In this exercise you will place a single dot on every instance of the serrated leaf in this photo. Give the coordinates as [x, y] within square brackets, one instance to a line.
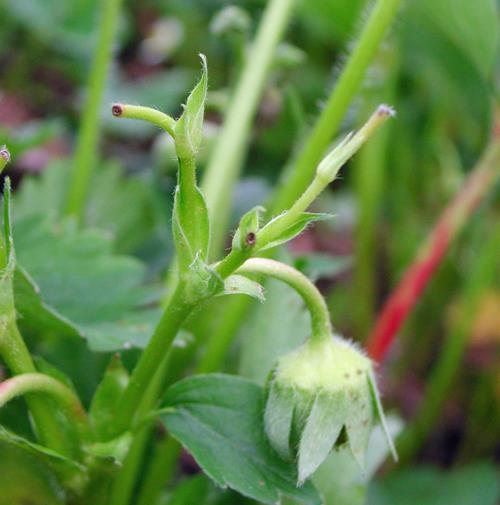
[103, 407]
[247, 229]
[295, 229]
[189, 127]
[81, 287]
[50, 457]
[241, 285]
[218, 418]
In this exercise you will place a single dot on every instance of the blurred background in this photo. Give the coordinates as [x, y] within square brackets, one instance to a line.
[438, 67]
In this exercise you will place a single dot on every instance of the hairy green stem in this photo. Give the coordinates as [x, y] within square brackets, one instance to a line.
[173, 316]
[153, 116]
[87, 143]
[301, 171]
[34, 383]
[442, 376]
[225, 162]
[315, 303]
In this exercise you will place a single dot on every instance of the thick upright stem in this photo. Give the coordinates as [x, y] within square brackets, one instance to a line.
[226, 160]
[300, 173]
[416, 278]
[173, 316]
[320, 316]
[87, 142]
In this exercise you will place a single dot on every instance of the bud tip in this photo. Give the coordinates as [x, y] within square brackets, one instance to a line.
[385, 110]
[5, 154]
[117, 109]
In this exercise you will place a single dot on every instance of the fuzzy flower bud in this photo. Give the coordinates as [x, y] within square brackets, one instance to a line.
[322, 395]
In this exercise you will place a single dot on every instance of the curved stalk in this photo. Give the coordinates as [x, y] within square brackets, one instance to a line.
[153, 116]
[320, 316]
[29, 383]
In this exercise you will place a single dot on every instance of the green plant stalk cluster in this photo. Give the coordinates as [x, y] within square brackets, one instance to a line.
[180, 305]
[300, 170]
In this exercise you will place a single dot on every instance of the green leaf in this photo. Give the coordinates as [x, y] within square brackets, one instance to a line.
[218, 418]
[295, 229]
[189, 127]
[471, 485]
[103, 407]
[48, 456]
[82, 288]
[471, 26]
[25, 480]
[248, 227]
[241, 285]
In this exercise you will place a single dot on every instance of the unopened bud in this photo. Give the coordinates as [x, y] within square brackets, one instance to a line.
[321, 396]
[4, 157]
[333, 162]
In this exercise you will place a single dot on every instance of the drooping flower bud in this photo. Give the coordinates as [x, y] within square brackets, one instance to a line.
[322, 395]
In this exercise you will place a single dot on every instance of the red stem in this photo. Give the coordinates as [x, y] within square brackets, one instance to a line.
[415, 279]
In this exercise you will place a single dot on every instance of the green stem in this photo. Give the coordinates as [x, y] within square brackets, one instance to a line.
[125, 482]
[446, 369]
[226, 160]
[173, 316]
[41, 383]
[351, 78]
[161, 470]
[86, 148]
[320, 316]
[153, 116]
[17, 358]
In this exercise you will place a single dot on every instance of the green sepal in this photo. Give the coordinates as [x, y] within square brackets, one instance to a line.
[241, 285]
[359, 422]
[379, 413]
[191, 228]
[278, 417]
[189, 127]
[244, 237]
[201, 281]
[300, 224]
[322, 429]
[103, 406]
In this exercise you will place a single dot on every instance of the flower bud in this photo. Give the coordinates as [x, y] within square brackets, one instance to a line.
[322, 395]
